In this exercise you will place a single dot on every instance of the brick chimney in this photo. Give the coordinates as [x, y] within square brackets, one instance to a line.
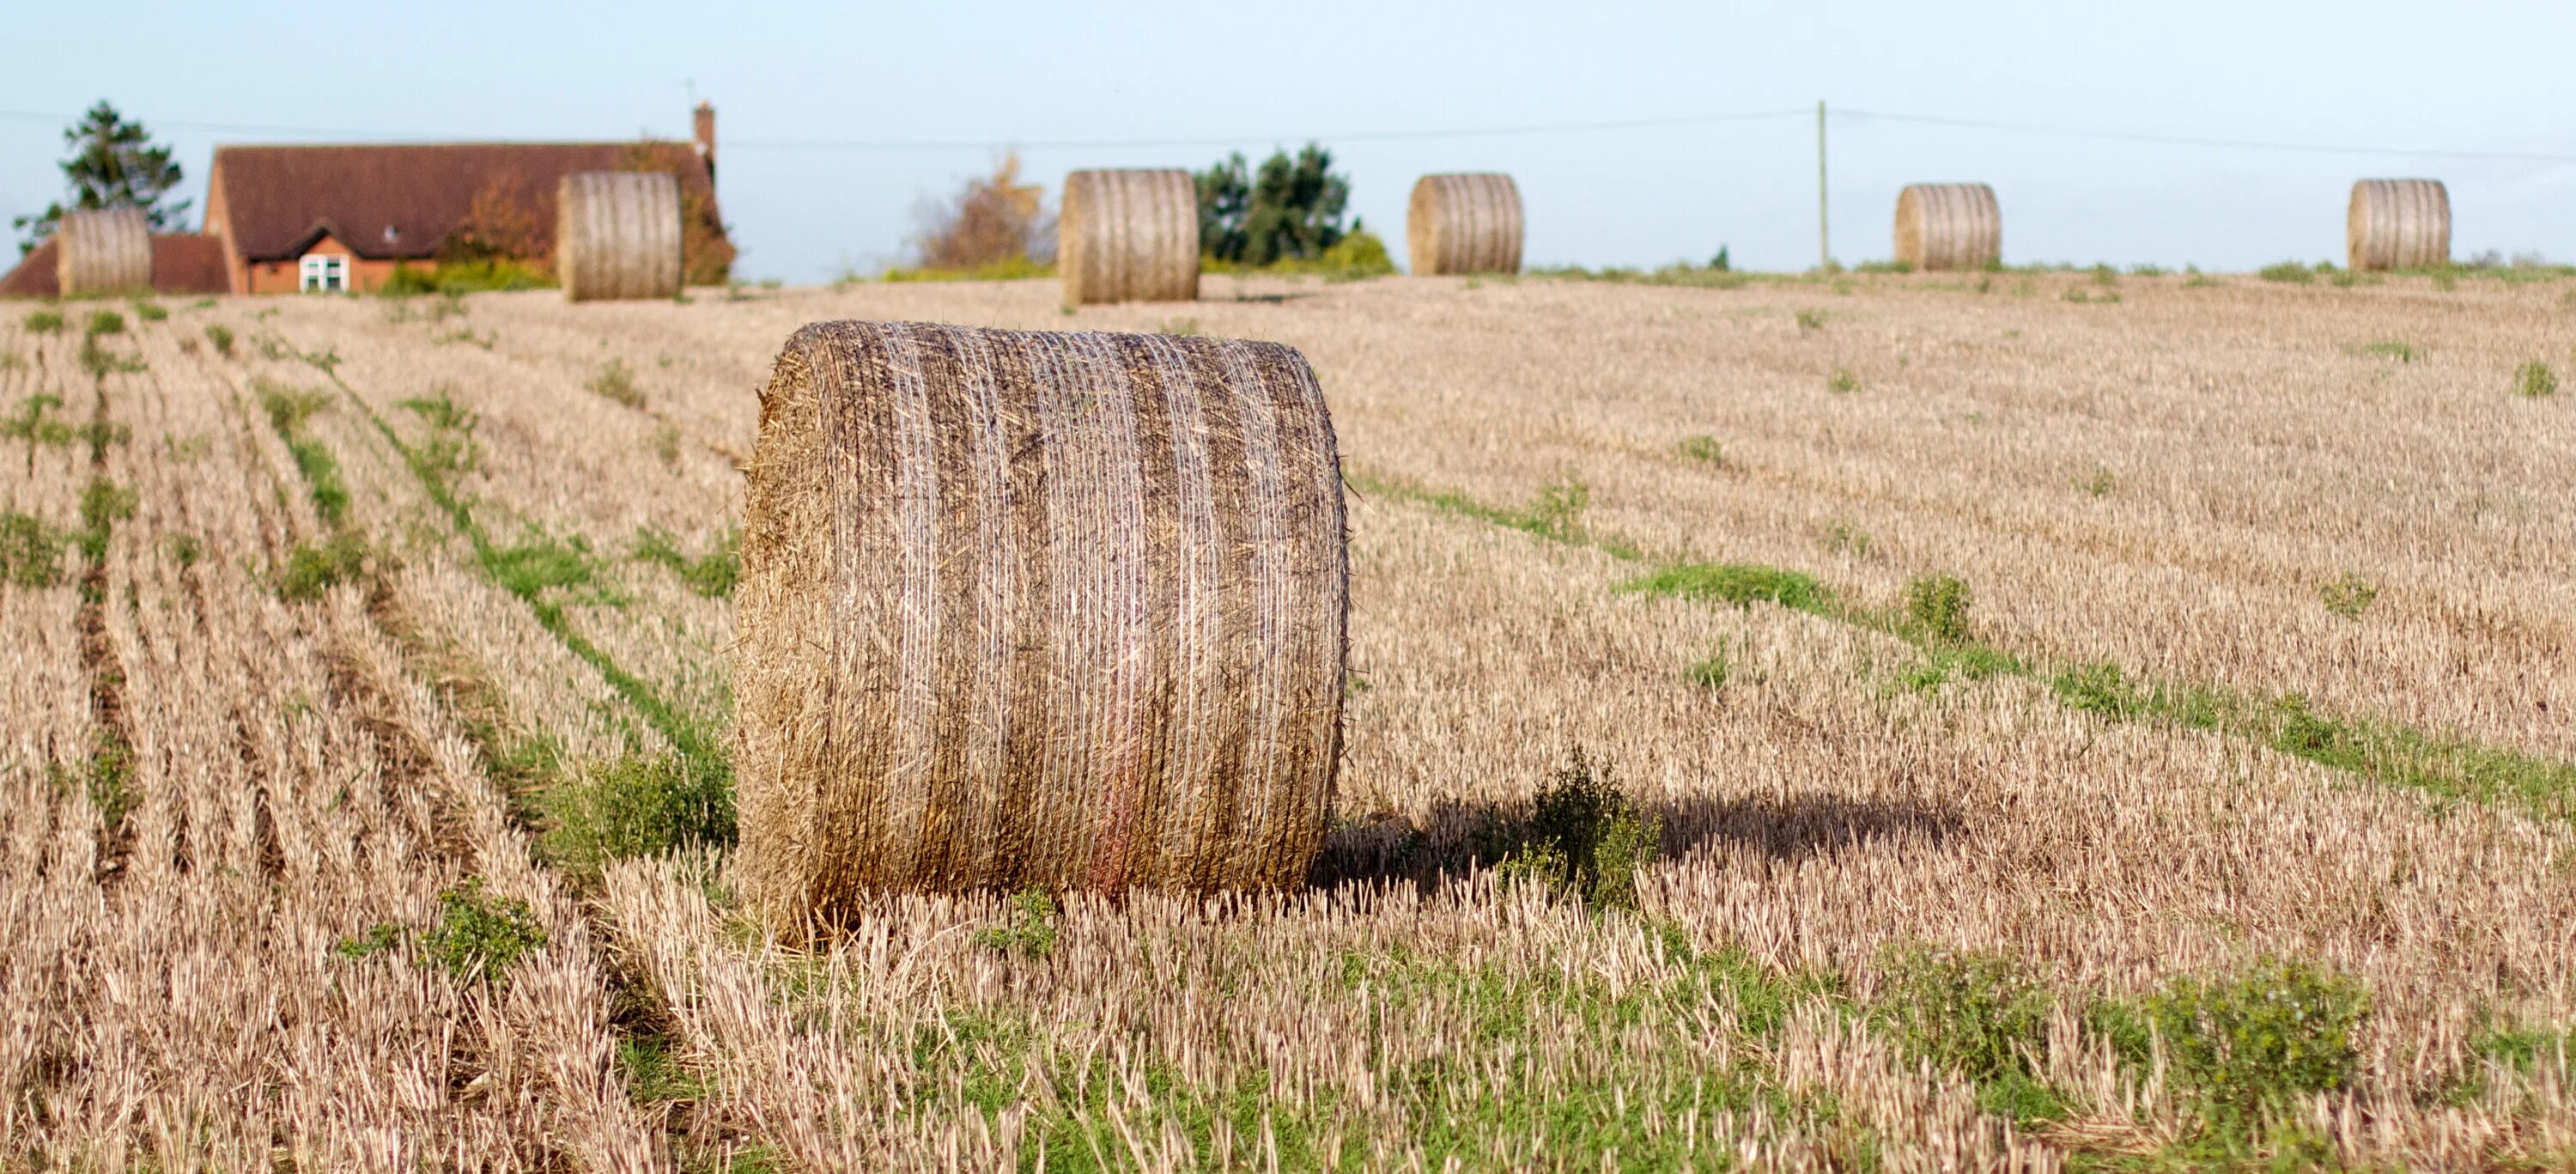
[705, 131]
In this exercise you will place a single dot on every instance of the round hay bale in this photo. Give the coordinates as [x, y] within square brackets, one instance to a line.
[1129, 236]
[2398, 224]
[1465, 223]
[1035, 610]
[1948, 226]
[103, 251]
[617, 235]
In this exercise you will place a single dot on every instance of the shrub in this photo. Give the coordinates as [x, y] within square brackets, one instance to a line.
[2291, 272]
[2248, 1044]
[636, 806]
[1938, 604]
[1584, 837]
[2534, 379]
[1360, 254]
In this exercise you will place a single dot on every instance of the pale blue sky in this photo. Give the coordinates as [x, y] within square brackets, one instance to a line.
[2467, 76]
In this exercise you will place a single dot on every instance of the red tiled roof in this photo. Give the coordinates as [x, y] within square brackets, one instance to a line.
[182, 263]
[402, 200]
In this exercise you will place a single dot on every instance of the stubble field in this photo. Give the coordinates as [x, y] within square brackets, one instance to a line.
[2122, 732]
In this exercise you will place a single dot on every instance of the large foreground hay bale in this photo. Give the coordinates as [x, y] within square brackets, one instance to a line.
[1035, 610]
[1948, 226]
[1465, 223]
[617, 235]
[104, 251]
[2398, 224]
[1129, 236]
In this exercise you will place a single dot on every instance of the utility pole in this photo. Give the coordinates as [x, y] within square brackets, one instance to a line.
[1824, 233]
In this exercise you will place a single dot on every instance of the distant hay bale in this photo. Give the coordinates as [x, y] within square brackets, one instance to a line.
[1464, 223]
[1129, 236]
[1948, 226]
[2398, 224]
[1035, 610]
[617, 235]
[104, 251]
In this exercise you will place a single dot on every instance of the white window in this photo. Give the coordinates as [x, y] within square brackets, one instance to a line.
[325, 272]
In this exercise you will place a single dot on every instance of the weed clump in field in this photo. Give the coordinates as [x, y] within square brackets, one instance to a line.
[1810, 321]
[636, 806]
[2349, 596]
[150, 311]
[477, 937]
[1703, 450]
[1978, 1015]
[43, 321]
[1938, 604]
[1029, 931]
[1842, 381]
[105, 322]
[222, 338]
[313, 570]
[1737, 583]
[1584, 837]
[31, 552]
[2290, 272]
[616, 382]
[1710, 672]
[2534, 379]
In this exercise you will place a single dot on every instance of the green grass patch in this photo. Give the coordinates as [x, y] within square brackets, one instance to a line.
[2534, 379]
[98, 362]
[221, 336]
[1740, 584]
[150, 311]
[33, 423]
[1937, 605]
[712, 574]
[464, 277]
[1978, 1015]
[2391, 349]
[2287, 272]
[43, 322]
[1027, 929]
[104, 322]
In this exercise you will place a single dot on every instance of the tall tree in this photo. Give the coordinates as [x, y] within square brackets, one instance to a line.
[113, 164]
[1289, 207]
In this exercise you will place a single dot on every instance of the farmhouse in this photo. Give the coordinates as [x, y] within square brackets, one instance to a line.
[325, 218]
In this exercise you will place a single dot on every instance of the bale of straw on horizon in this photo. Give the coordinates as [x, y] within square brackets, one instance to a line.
[1035, 610]
[1948, 226]
[1464, 223]
[617, 235]
[1129, 236]
[103, 251]
[2398, 224]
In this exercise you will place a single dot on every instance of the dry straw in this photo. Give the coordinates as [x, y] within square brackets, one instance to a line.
[2398, 224]
[617, 235]
[1467, 223]
[104, 251]
[1129, 236]
[1948, 226]
[1020, 610]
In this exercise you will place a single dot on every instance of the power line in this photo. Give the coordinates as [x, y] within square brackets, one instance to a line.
[2199, 141]
[1380, 136]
